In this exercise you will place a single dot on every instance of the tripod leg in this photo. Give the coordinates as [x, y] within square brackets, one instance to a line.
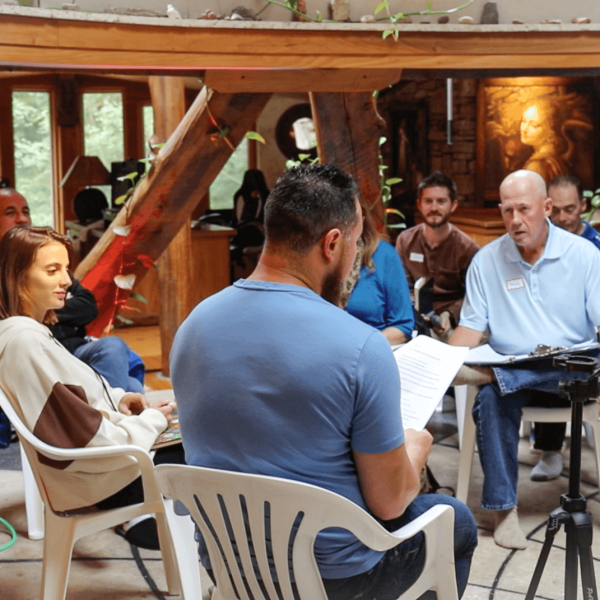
[551, 531]
[571, 562]
[588, 579]
[583, 528]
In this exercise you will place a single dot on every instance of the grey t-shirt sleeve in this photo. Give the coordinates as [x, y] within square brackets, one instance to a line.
[377, 422]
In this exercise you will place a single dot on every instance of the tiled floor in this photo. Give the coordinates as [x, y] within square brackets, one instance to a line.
[105, 567]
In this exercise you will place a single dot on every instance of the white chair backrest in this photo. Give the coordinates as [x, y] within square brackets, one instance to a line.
[232, 506]
[28, 441]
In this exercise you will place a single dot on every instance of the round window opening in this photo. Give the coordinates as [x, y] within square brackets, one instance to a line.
[295, 132]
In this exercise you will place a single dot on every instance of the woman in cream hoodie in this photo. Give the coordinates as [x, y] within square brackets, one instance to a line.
[61, 399]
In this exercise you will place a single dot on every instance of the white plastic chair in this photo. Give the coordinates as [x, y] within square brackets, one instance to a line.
[34, 506]
[63, 529]
[530, 413]
[218, 500]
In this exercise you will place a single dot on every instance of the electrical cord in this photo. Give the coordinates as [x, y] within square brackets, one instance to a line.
[12, 532]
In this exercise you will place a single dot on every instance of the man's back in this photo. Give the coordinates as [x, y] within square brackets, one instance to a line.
[272, 379]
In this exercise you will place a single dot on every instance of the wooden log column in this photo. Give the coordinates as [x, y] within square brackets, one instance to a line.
[182, 172]
[348, 130]
[174, 265]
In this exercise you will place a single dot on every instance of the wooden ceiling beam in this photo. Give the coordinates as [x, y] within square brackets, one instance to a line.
[314, 80]
[161, 63]
[348, 128]
[126, 46]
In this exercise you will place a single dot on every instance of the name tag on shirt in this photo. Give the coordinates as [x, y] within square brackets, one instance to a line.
[515, 284]
[416, 257]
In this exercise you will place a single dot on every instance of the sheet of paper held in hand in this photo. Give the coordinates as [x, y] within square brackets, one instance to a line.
[427, 368]
[485, 355]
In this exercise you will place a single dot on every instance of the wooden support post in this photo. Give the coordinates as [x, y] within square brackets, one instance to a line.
[183, 170]
[68, 141]
[174, 266]
[348, 130]
[7, 149]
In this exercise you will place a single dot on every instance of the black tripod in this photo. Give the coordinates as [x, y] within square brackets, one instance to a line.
[573, 513]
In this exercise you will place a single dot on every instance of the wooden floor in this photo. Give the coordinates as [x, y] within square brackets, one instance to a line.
[145, 341]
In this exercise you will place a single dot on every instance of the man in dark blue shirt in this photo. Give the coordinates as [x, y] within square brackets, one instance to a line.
[568, 204]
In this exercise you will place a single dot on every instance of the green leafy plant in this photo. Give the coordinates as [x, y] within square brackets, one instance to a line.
[396, 18]
[292, 6]
[253, 135]
[131, 177]
[594, 204]
[386, 192]
[306, 159]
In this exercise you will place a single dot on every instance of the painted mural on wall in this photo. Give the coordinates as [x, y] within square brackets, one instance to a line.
[546, 125]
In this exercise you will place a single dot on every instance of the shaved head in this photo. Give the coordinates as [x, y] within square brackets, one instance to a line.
[525, 180]
[13, 210]
[525, 206]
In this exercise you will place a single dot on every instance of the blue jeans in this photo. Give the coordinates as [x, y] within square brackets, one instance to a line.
[497, 414]
[109, 356]
[401, 566]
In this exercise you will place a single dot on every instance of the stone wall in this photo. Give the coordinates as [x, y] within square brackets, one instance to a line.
[456, 160]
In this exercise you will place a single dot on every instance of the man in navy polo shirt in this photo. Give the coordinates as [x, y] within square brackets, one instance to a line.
[568, 203]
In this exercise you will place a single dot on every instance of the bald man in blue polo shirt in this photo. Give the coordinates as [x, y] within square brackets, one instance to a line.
[537, 284]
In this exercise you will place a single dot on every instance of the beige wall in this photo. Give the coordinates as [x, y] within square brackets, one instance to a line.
[529, 11]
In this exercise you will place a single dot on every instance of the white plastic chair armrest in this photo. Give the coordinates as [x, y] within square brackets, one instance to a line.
[421, 522]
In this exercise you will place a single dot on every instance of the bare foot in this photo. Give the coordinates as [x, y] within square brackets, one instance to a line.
[507, 532]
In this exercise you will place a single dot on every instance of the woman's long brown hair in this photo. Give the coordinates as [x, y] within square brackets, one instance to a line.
[18, 250]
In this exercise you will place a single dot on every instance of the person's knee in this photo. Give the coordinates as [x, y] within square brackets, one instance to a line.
[112, 346]
[465, 528]
[485, 397]
[135, 385]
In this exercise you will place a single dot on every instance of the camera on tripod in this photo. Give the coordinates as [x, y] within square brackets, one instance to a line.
[576, 388]
[573, 513]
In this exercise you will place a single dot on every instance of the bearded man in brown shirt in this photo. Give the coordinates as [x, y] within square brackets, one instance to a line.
[436, 249]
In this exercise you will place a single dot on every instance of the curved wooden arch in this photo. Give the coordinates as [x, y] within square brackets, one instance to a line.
[64, 40]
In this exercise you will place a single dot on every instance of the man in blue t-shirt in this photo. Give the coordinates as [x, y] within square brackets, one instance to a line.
[271, 377]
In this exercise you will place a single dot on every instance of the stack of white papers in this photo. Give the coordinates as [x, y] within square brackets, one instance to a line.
[427, 368]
